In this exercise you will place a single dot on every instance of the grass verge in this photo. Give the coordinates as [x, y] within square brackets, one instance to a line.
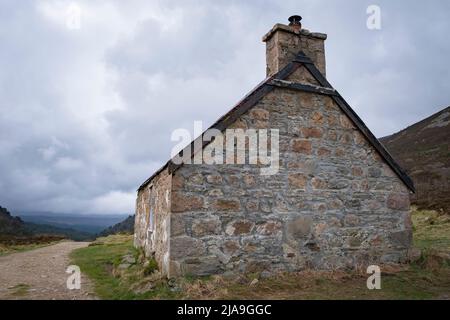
[103, 263]
[408, 283]
[431, 230]
[428, 278]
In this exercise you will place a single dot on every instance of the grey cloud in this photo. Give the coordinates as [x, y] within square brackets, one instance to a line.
[86, 115]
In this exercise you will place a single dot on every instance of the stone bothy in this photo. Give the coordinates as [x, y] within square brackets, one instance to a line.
[338, 200]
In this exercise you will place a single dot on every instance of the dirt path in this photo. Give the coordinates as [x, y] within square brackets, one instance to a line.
[41, 274]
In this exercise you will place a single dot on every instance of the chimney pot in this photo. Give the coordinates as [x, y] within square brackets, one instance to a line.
[294, 22]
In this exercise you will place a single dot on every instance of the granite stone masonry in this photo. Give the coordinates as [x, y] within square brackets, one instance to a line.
[337, 200]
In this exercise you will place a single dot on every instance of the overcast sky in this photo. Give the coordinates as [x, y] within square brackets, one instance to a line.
[87, 105]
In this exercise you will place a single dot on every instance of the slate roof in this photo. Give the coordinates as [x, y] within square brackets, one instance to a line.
[278, 80]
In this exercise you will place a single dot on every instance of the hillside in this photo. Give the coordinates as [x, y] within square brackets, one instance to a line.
[87, 223]
[15, 234]
[423, 151]
[69, 233]
[16, 230]
[125, 226]
[10, 225]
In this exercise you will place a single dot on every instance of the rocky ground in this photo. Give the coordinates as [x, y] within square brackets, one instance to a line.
[41, 274]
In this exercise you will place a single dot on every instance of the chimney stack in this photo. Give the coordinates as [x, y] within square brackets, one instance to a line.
[283, 42]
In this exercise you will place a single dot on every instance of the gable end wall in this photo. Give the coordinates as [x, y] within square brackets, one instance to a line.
[334, 203]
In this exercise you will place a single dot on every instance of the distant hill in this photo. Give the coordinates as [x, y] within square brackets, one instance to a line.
[85, 223]
[69, 233]
[15, 229]
[10, 225]
[423, 151]
[125, 226]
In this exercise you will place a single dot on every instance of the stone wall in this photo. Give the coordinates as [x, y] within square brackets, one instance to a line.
[156, 197]
[333, 204]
